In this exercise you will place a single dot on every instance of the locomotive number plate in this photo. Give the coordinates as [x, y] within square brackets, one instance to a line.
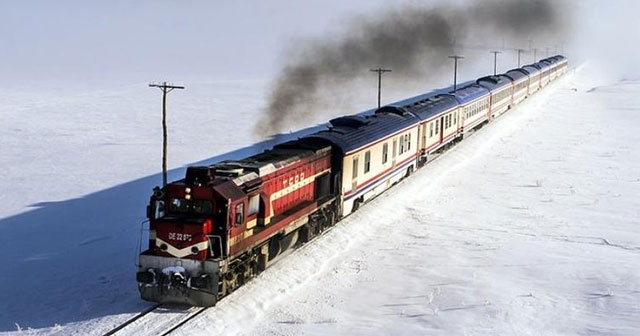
[179, 236]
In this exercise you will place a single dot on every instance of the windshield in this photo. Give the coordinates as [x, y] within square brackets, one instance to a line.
[181, 206]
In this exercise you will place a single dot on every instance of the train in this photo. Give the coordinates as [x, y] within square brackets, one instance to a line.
[223, 224]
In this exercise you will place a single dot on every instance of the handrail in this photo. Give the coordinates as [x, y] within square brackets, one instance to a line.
[139, 248]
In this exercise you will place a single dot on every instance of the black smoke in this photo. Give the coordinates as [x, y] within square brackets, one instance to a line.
[414, 41]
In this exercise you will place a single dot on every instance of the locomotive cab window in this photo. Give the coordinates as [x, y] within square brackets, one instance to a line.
[239, 213]
[181, 206]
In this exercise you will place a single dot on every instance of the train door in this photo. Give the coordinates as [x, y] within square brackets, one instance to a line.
[237, 218]
[219, 241]
[394, 151]
[419, 139]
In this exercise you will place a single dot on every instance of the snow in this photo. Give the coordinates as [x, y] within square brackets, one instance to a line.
[529, 227]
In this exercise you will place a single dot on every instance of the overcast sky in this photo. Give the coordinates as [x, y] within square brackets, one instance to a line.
[44, 39]
[146, 40]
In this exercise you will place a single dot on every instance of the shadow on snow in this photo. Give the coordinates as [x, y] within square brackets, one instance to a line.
[74, 260]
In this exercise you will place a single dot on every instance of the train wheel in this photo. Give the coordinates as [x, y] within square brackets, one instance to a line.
[274, 248]
[288, 241]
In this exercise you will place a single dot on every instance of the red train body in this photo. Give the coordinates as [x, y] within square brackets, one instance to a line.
[235, 216]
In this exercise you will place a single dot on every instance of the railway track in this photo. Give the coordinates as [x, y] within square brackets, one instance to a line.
[157, 320]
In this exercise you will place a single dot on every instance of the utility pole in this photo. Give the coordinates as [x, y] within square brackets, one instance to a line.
[535, 51]
[166, 88]
[495, 61]
[455, 69]
[380, 71]
[530, 42]
[519, 52]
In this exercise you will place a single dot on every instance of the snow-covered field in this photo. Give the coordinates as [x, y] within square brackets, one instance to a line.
[530, 227]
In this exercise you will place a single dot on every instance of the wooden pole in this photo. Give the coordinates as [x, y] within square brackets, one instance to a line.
[165, 88]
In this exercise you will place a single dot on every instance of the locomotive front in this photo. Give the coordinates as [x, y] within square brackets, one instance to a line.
[223, 224]
[186, 243]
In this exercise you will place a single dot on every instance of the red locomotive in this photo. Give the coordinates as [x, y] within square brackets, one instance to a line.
[223, 223]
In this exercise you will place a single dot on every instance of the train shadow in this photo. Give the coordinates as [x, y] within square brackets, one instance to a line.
[74, 260]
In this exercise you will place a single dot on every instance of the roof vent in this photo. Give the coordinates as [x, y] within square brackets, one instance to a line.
[399, 110]
[349, 121]
[229, 171]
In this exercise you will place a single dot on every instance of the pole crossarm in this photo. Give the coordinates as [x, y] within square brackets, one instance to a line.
[166, 87]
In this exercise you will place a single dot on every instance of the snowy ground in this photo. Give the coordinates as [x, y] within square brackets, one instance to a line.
[527, 228]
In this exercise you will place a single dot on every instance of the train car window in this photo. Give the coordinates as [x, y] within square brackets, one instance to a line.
[385, 152]
[430, 129]
[409, 142]
[354, 174]
[402, 141]
[367, 162]
[437, 126]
